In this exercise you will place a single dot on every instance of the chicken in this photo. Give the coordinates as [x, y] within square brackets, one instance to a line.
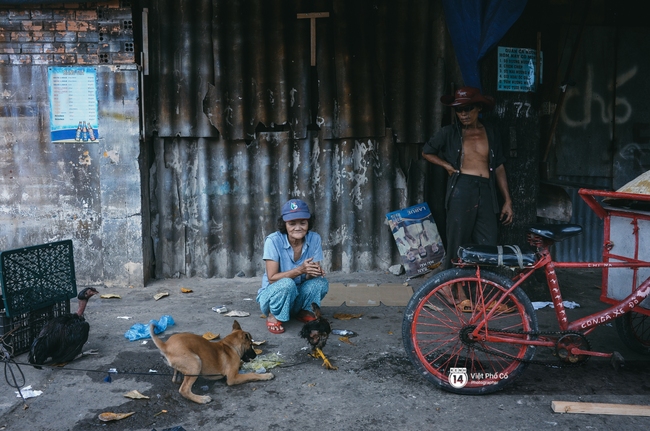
[63, 337]
[316, 333]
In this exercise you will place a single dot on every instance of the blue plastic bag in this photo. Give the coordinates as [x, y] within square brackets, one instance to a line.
[140, 330]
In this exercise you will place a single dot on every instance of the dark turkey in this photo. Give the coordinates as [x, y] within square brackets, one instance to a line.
[63, 337]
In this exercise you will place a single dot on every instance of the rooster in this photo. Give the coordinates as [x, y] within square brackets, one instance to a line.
[316, 332]
[63, 337]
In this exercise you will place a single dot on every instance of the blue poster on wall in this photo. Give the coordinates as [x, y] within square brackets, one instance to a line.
[417, 238]
[74, 114]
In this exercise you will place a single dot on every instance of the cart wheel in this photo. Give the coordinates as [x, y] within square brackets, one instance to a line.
[634, 330]
[436, 334]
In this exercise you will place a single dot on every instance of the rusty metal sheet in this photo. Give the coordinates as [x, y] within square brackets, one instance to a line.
[214, 201]
[246, 65]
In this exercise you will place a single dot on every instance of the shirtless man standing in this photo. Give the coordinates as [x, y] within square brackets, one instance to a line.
[470, 152]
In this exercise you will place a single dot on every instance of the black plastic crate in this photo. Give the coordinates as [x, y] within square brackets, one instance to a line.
[28, 325]
[35, 277]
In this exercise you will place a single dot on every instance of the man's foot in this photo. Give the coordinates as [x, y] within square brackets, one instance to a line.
[447, 295]
[274, 325]
[465, 306]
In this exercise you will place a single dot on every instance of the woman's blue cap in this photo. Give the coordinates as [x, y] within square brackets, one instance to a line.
[295, 209]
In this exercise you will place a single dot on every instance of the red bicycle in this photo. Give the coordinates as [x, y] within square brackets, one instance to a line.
[486, 347]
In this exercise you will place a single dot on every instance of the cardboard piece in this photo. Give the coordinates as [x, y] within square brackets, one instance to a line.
[417, 239]
[367, 295]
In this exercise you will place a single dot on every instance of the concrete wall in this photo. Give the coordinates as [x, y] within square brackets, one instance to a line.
[87, 192]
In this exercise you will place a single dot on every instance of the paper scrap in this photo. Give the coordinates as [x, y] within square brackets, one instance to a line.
[109, 296]
[210, 336]
[109, 416]
[157, 296]
[136, 395]
[186, 290]
[432, 307]
[28, 392]
[236, 313]
[124, 317]
[541, 304]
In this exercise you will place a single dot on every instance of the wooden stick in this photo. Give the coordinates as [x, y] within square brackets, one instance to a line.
[312, 30]
[600, 408]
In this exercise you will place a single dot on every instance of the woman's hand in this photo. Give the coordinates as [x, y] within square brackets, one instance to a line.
[311, 268]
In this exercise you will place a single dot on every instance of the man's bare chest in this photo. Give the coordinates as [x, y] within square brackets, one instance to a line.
[475, 143]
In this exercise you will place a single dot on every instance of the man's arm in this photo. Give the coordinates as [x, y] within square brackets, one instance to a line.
[502, 183]
[440, 162]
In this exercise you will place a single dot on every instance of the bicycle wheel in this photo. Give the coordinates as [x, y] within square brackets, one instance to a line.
[634, 330]
[435, 333]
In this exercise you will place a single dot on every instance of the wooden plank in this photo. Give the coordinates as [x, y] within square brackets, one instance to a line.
[600, 408]
[313, 15]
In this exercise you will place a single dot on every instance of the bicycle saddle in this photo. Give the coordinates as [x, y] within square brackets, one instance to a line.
[555, 232]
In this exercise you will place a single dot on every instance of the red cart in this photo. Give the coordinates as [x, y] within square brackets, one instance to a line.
[626, 239]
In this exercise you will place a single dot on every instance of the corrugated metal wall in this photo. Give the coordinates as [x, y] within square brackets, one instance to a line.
[215, 201]
[587, 247]
[235, 103]
[601, 140]
[246, 62]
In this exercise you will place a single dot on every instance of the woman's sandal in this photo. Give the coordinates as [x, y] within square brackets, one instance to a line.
[275, 327]
[465, 306]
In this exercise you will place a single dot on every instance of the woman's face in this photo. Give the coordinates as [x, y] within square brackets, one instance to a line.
[297, 229]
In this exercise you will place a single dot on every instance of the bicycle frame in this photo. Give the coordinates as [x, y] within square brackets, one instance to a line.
[584, 325]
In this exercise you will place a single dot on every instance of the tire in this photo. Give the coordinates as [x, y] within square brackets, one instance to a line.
[432, 331]
[634, 330]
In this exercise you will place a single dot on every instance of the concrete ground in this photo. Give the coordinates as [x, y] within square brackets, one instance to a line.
[374, 388]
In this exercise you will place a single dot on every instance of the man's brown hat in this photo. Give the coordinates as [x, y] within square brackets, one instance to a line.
[468, 96]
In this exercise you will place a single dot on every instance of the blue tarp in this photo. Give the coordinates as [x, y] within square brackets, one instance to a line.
[476, 26]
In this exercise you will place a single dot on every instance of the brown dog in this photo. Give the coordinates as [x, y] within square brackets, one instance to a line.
[193, 355]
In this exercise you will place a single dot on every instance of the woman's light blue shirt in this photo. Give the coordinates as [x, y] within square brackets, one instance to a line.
[278, 249]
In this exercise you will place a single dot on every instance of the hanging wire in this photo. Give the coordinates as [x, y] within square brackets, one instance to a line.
[6, 352]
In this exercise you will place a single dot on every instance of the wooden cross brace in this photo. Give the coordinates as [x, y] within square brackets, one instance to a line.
[312, 17]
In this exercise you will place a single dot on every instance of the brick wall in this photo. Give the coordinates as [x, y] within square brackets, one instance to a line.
[67, 33]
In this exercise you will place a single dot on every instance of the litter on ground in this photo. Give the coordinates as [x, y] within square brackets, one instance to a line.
[541, 304]
[268, 361]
